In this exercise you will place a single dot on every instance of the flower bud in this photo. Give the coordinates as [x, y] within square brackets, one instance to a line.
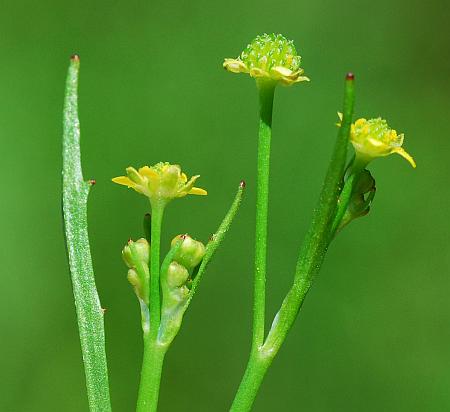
[137, 256]
[190, 253]
[361, 199]
[135, 252]
[177, 275]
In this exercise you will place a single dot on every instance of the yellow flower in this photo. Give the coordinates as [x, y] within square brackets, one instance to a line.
[374, 138]
[269, 57]
[160, 183]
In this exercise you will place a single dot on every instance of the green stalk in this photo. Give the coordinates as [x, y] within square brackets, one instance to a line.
[154, 353]
[310, 259]
[74, 200]
[155, 293]
[266, 94]
[151, 371]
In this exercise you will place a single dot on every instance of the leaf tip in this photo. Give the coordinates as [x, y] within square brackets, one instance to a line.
[350, 76]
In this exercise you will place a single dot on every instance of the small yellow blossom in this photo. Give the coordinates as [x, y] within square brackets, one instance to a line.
[160, 183]
[269, 57]
[374, 138]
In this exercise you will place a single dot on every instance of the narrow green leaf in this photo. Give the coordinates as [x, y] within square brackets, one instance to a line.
[317, 239]
[316, 242]
[74, 200]
[216, 239]
[171, 317]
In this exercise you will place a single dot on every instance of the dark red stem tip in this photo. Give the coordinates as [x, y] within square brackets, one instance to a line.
[92, 182]
[75, 57]
[242, 184]
[350, 76]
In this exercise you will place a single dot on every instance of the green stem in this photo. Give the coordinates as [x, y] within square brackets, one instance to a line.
[150, 375]
[251, 381]
[310, 259]
[257, 367]
[155, 292]
[153, 358]
[266, 95]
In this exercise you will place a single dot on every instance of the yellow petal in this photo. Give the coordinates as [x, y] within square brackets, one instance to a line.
[187, 187]
[280, 71]
[256, 72]
[198, 191]
[148, 172]
[184, 177]
[125, 181]
[235, 66]
[403, 153]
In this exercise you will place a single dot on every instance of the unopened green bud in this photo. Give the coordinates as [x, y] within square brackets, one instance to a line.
[362, 196]
[136, 252]
[190, 253]
[137, 256]
[177, 275]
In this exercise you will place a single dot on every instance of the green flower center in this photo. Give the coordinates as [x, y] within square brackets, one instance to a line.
[271, 50]
[376, 129]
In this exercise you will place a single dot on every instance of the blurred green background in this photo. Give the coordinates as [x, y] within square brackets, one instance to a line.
[374, 333]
